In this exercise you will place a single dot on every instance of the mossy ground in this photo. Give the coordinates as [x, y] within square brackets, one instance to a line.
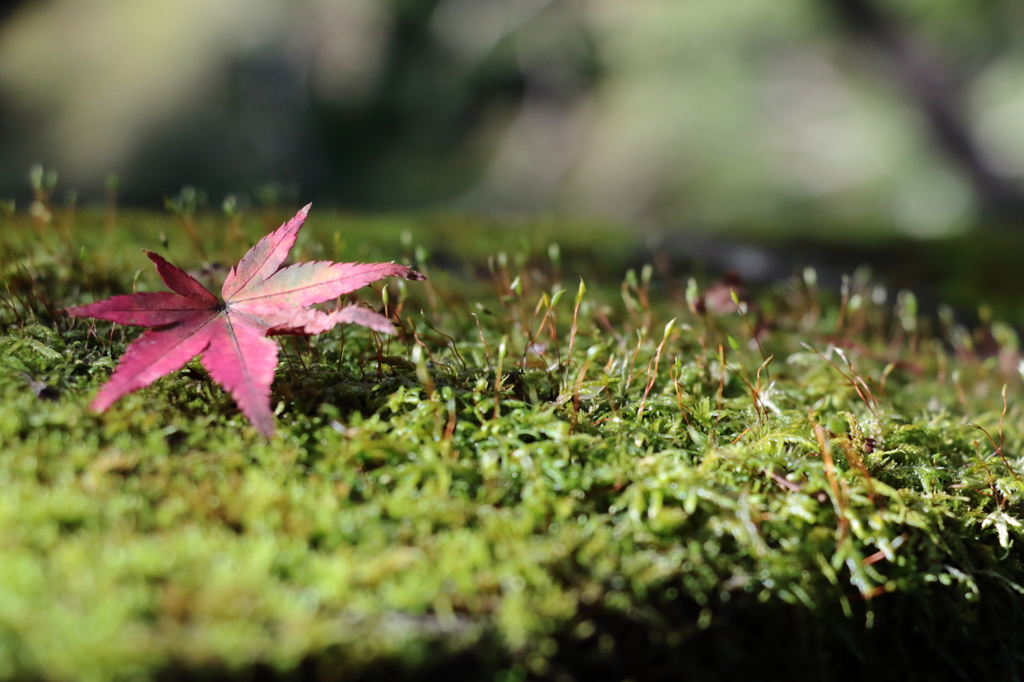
[521, 484]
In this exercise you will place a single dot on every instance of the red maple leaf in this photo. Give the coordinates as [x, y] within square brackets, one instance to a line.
[259, 300]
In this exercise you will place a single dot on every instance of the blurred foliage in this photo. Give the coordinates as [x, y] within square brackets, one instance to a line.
[848, 114]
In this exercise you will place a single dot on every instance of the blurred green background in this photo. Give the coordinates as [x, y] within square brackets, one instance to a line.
[853, 117]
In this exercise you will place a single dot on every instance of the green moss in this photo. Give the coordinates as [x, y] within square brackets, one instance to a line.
[613, 501]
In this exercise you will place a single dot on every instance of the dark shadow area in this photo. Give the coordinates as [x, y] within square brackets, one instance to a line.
[928, 635]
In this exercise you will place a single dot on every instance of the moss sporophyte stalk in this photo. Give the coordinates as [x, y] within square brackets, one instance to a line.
[515, 483]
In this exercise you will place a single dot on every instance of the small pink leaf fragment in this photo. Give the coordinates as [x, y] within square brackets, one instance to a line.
[265, 258]
[156, 353]
[355, 314]
[304, 284]
[231, 335]
[179, 281]
[312, 321]
[143, 310]
[242, 360]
